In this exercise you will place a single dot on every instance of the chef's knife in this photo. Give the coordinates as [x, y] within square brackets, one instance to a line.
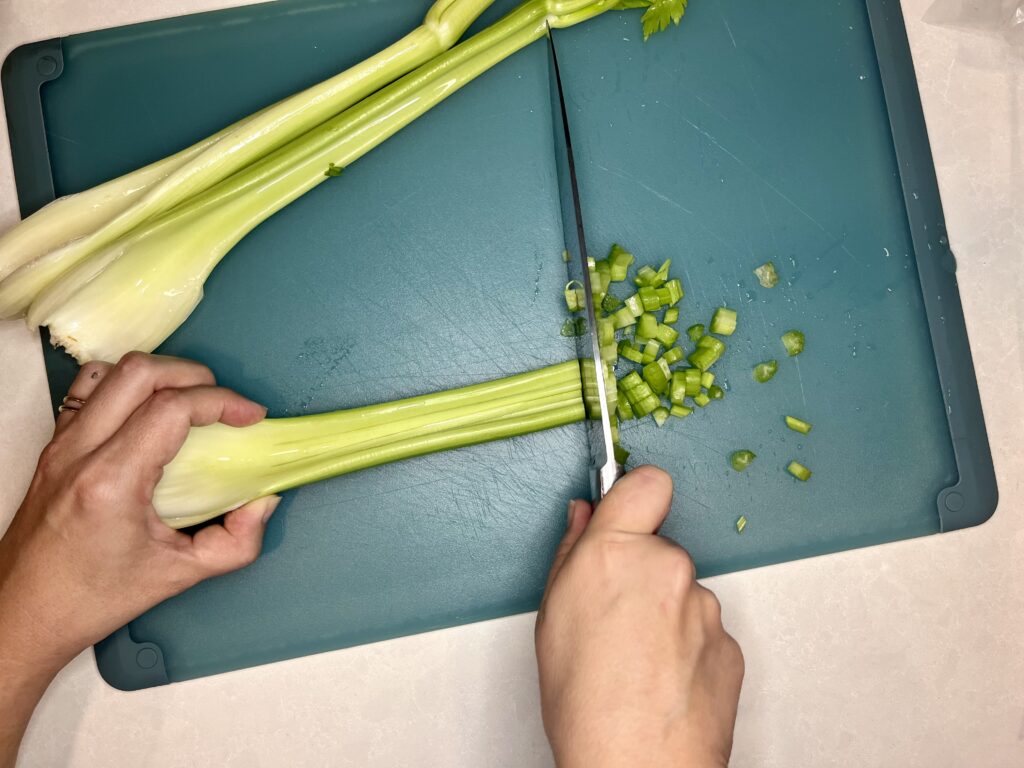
[605, 469]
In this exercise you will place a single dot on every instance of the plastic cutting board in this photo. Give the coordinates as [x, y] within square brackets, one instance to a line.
[790, 132]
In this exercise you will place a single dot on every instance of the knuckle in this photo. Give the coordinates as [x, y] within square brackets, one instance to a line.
[51, 459]
[712, 607]
[96, 486]
[165, 401]
[681, 568]
[133, 364]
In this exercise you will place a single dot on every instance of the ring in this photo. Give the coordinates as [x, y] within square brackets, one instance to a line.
[70, 403]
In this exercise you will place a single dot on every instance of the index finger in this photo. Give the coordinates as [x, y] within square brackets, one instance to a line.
[638, 503]
[134, 379]
[154, 434]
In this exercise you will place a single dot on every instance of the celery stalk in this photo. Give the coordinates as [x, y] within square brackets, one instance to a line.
[63, 233]
[220, 468]
[157, 271]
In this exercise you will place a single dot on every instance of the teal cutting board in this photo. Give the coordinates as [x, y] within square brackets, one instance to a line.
[752, 132]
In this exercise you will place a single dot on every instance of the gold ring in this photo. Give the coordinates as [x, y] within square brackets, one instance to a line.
[70, 403]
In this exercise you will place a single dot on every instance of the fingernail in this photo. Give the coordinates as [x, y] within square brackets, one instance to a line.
[272, 503]
[572, 512]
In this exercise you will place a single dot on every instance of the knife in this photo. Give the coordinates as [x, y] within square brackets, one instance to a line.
[605, 470]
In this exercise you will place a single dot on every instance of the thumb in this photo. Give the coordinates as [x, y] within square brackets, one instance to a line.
[638, 503]
[579, 515]
[236, 542]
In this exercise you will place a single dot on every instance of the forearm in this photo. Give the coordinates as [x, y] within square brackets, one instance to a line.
[28, 661]
[20, 691]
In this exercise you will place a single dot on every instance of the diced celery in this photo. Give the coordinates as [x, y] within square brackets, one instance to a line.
[793, 341]
[671, 315]
[695, 332]
[673, 356]
[798, 425]
[630, 352]
[766, 275]
[575, 296]
[666, 334]
[740, 460]
[651, 351]
[765, 371]
[691, 377]
[799, 471]
[622, 318]
[680, 410]
[702, 399]
[660, 415]
[723, 322]
[707, 379]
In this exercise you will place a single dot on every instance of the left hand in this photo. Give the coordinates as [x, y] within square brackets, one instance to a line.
[86, 552]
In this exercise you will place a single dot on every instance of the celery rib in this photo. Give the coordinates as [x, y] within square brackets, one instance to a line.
[59, 241]
[220, 467]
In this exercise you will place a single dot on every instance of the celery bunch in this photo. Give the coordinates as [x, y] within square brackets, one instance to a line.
[121, 266]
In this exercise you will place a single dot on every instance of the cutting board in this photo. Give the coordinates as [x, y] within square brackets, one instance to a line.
[791, 132]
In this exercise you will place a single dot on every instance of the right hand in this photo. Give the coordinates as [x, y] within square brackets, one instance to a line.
[635, 666]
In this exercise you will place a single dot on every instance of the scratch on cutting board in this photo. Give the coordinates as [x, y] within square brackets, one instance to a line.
[782, 195]
[800, 381]
[728, 29]
[666, 199]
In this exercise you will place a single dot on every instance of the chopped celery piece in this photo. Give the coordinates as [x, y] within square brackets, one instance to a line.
[605, 331]
[666, 334]
[610, 352]
[671, 315]
[575, 296]
[651, 351]
[647, 325]
[765, 371]
[798, 425]
[630, 352]
[677, 388]
[709, 350]
[662, 275]
[657, 375]
[646, 276]
[715, 392]
[695, 332]
[610, 303]
[740, 460]
[660, 415]
[723, 322]
[603, 267]
[574, 327]
[793, 341]
[707, 379]
[766, 275]
[799, 471]
[620, 260]
[630, 380]
[680, 410]
[649, 298]
[664, 296]
[673, 356]
[622, 317]
[691, 377]
[621, 454]
[741, 524]
[702, 399]
[675, 291]
[647, 405]
[635, 305]
[623, 409]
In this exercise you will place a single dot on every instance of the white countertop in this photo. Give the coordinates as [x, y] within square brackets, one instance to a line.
[910, 654]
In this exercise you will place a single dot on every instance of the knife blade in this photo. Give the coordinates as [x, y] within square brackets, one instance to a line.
[605, 470]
